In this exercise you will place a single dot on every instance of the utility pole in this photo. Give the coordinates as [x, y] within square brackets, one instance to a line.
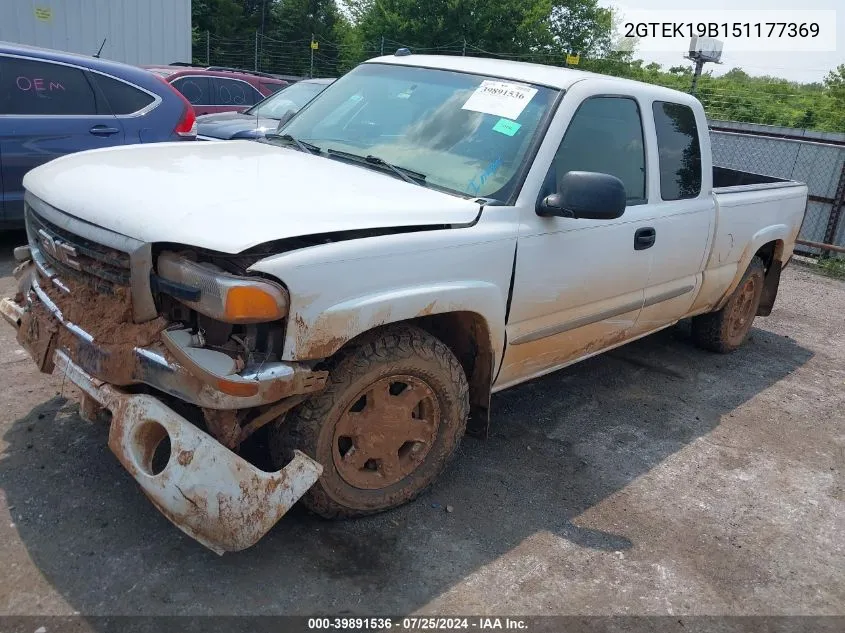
[699, 64]
[256, 52]
[208, 48]
[382, 44]
[701, 51]
[263, 12]
[311, 72]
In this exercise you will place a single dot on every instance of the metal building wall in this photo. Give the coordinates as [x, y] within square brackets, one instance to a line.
[136, 31]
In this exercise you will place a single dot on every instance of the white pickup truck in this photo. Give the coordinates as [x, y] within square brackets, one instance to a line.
[351, 291]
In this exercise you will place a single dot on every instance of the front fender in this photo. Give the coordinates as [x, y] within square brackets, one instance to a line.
[319, 334]
[341, 289]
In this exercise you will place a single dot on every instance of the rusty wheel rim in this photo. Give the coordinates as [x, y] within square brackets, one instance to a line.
[386, 432]
[742, 313]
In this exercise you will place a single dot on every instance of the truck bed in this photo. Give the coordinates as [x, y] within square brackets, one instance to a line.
[733, 180]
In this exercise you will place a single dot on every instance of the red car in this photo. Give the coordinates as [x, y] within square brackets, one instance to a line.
[217, 89]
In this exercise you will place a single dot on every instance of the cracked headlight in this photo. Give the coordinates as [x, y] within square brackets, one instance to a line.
[221, 295]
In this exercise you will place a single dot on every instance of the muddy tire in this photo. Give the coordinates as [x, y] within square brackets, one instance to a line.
[389, 420]
[726, 330]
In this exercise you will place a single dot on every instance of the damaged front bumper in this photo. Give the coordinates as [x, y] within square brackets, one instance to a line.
[183, 379]
[205, 489]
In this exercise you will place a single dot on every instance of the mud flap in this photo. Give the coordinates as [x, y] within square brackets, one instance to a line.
[203, 488]
[478, 425]
[770, 289]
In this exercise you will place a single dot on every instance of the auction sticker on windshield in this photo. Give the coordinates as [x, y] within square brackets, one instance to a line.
[500, 98]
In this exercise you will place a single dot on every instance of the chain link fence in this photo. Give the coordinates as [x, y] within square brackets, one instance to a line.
[817, 159]
[300, 58]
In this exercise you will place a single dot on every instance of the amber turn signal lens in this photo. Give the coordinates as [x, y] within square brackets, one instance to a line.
[249, 303]
[242, 389]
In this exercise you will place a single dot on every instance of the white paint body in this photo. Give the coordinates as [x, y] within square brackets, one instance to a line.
[230, 196]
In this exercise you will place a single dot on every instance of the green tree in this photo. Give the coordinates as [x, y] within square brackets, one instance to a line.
[497, 26]
[223, 18]
[834, 84]
[582, 26]
[294, 22]
[736, 74]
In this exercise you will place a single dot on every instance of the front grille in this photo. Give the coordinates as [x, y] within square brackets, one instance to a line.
[101, 267]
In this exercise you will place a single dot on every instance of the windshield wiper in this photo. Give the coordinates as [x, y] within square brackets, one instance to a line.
[408, 175]
[308, 148]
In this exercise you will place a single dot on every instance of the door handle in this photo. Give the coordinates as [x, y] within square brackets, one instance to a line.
[102, 130]
[644, 238]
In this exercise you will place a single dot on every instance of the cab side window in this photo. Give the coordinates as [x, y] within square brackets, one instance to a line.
[606, 136]
[678, 149]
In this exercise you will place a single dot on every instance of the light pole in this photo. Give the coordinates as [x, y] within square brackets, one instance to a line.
[701, 51]
[263, 12]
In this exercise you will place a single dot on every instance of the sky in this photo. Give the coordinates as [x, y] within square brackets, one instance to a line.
[797, 66]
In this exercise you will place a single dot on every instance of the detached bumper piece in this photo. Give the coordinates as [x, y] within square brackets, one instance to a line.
[207, 491]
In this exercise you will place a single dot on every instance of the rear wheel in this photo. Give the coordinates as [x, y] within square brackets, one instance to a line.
[726, 330]
[391, 416]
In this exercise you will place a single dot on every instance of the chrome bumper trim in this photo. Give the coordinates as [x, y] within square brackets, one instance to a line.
[151, 367]
[204, 489]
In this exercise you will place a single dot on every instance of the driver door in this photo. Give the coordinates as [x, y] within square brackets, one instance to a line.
[579, 284]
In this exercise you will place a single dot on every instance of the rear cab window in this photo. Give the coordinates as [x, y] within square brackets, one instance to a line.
[35, 87]
[679, 150]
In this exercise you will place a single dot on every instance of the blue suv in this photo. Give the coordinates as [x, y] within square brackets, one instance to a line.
[54, 103]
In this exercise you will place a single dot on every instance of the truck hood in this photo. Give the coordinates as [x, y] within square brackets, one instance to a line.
[229, 196]
[230, 125]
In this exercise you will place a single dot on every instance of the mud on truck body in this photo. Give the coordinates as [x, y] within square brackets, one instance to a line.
[426, 232]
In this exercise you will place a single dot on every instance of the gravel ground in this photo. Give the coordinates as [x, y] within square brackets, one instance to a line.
[656, 479]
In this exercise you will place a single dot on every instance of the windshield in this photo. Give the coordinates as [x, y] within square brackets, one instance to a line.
[292, 97]
[468, 134]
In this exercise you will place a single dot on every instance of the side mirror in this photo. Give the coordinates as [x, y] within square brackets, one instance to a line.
[588, 195]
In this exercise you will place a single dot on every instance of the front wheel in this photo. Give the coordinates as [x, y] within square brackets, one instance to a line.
[392, 415]
[726, 330]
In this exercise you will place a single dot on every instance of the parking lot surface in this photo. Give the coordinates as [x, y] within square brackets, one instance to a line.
[655, 479]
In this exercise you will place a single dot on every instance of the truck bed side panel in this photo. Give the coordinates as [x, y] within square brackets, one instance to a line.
[747, 218]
